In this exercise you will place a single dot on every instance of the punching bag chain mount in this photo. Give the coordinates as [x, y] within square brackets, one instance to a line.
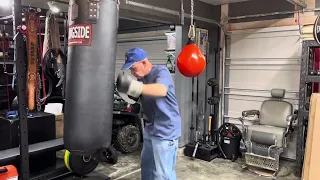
[192, 31]
[118, 5]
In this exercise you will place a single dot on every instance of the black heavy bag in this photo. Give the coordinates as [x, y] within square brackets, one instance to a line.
[90, 77]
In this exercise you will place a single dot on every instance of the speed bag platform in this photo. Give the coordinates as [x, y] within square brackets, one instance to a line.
[204, 152]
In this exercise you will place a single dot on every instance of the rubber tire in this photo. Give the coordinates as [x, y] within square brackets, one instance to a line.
[122, 137]
[110, 155]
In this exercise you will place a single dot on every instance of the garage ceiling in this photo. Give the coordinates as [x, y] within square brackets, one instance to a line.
[43, 4]
[63, 4]
[219, 2]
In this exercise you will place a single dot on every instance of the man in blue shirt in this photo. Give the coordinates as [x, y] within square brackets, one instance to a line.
[155, 88]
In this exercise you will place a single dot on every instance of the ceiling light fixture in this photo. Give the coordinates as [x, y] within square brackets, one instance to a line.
[53, 7]
[6, 3]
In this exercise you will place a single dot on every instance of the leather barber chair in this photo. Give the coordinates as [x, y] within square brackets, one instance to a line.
[266, 139]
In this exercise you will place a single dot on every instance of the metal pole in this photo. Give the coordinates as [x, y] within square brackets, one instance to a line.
[65, 37]
[223, 57]
[181, 13]
[19, 51]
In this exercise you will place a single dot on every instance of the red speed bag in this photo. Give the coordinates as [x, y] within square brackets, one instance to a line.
[9, 172]
[191, 62]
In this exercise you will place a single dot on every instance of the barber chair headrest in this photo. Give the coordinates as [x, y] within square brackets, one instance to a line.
[278, 93]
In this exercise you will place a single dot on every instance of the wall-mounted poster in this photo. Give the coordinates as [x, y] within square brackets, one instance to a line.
[202, 40]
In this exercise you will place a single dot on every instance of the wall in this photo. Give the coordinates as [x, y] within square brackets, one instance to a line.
[259, 60]
[255, 53]
[5, 11]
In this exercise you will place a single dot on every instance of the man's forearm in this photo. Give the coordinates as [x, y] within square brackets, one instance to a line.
[154, 89]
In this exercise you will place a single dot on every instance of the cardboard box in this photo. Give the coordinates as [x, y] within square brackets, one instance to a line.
[311, 164]
[59, 125]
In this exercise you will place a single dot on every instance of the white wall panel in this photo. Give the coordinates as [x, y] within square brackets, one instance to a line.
[259, 60]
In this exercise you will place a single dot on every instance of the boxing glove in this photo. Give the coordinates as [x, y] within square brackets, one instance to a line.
[126, 84]
[134, 98]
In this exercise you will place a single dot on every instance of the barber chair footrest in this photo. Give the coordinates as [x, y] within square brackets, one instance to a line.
[261, 161]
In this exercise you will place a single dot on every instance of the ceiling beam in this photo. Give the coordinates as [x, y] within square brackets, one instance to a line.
[298, 2]
[221, 2]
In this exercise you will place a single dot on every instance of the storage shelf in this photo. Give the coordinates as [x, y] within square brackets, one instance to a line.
[304, 113]
[312, 78]
[302, 128]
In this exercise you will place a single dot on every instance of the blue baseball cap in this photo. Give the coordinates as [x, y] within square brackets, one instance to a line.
[132, 56]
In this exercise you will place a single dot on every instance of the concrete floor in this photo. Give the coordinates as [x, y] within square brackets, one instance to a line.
[128, 168]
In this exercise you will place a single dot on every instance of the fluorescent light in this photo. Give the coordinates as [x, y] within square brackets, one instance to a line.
[53, 8]
[5, 3]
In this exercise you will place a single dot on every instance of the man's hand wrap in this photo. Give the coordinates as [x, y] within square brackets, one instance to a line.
[126, 84]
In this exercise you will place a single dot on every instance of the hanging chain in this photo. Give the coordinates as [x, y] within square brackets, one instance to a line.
[118, 5]
[192, 31]
[192, 11]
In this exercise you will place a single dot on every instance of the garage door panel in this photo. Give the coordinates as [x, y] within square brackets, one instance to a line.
[260, 94]
[154, 49]
[273, 62]
[239, 104]
[272, 34]
[149, 41]
[267, 30]
[265, 80]
[266, 68]
[258, 61]
[279, 47]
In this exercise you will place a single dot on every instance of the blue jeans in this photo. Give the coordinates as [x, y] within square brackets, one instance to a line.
[158, 159]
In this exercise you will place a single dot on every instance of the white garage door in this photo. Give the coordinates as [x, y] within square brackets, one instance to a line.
[257, 61]
[154, 43]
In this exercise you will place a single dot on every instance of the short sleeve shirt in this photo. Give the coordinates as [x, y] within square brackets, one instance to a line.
[163, 117]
